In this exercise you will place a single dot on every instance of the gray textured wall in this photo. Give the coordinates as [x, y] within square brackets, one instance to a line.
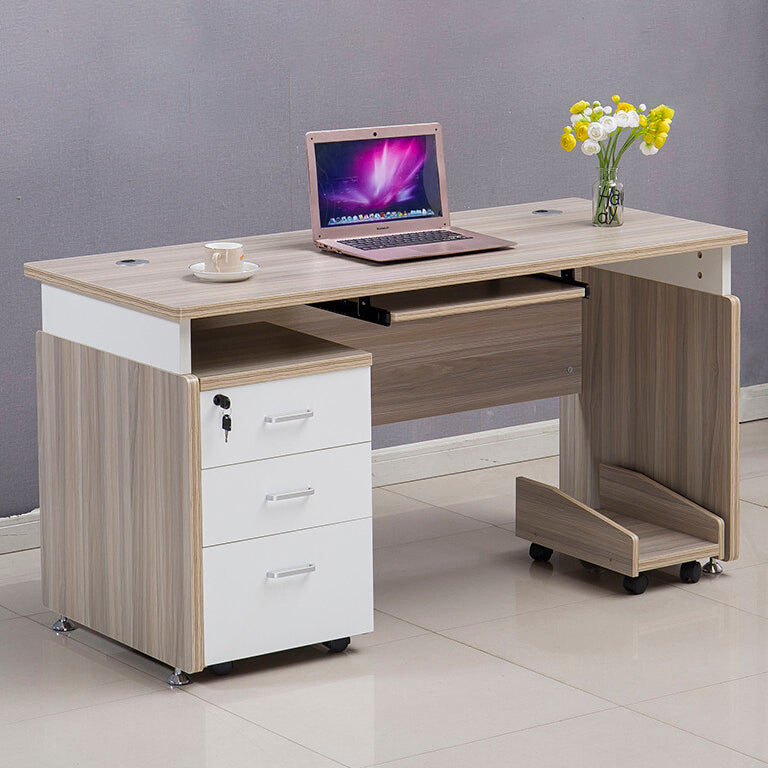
[136, 124]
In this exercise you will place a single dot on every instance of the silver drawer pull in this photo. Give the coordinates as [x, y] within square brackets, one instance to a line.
[297, 571]
[308, 414]
[291, 494]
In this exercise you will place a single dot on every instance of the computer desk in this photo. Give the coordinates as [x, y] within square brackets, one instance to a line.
[162, 530]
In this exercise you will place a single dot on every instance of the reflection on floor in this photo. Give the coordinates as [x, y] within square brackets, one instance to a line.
[479, 658]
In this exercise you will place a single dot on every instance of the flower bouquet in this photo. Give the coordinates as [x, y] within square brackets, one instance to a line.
[609, 134]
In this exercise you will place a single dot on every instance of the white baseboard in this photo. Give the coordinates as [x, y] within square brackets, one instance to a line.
[753, 403]
[447, 455]
[431, 458]
[20, 532]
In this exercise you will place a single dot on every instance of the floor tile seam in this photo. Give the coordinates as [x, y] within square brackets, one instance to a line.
[15, 614]
[191, 692]
[697, 736]
[515, 615]
[695, 689]
[491, 738]
[435, 538]
[72, 636]
[80, 708]
[407, 621]
[430, 504]
[466, 471]
[681, 588]
[613, 703]
[755, 503]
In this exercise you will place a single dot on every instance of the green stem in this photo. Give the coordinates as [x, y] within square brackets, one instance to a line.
[634, 134]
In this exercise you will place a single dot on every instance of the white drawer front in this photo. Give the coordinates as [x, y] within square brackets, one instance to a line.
[276, 418]
[260, 498]
[329, 595]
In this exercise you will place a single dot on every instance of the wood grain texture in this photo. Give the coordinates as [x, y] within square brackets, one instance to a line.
[660, 546]
[632, 493]
[659, 395]
[120, 499]
[553, 519]
[449, 364]
[293, 271]
[475, 297]
[248, 354]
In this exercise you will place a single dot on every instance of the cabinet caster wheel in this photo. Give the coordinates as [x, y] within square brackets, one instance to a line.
[222, 669]
[636, 585]
[337, 646]
[690, 572]
[539, 554]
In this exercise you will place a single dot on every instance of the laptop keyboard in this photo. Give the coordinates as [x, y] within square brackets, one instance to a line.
[404, 238]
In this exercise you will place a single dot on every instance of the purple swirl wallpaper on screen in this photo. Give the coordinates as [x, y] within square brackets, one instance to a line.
[372, 180]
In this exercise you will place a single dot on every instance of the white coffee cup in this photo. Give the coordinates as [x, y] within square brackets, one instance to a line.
[223, 257]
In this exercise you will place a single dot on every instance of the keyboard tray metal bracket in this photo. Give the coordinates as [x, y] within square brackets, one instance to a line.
[567, 276]
[360, 309]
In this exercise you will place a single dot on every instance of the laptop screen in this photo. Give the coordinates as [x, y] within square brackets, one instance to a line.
[374, 180]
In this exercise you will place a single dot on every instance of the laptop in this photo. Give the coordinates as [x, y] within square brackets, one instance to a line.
[380, 194]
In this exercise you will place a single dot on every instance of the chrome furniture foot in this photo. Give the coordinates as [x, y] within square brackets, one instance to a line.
[62, 624]
[712, 568]
[177, 677]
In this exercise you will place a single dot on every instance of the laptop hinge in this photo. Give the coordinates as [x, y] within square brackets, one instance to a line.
[360, 309]
[568, 277]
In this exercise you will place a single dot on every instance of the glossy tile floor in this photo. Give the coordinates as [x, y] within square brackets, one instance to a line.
[479, 658]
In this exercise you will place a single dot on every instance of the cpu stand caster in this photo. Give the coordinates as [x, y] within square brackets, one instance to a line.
[224, 668]
[337, 646]
[539, 554]
[636, 585]
[690, 572]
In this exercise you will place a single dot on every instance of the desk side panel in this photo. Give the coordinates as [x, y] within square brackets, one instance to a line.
[660, 393]
[120, 499]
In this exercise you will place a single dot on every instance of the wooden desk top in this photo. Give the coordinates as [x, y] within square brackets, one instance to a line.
[293, 271]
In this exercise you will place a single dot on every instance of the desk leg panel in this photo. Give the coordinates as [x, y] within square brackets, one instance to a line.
[660, 386]
[119, 470]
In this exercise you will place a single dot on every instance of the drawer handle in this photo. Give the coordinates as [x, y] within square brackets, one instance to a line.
[297, 571]
[291, 494]
[308, 414]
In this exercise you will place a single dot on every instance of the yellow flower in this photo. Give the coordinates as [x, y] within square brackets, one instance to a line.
[625, 106]
[579, 106]
[581, 131]
[643, 121]
[567, 129]
[659, 141]
[615, 98]
[567, 142]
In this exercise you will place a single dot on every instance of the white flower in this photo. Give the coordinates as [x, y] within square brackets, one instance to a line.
[622, 118]
[634, 118]
[607, 110]
[575, 119]
[608, 123]
[590, 147]
[596, 131]
[642, 107]
[588, 111]
[646, 149]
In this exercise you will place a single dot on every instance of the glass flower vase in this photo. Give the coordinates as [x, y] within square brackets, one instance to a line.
[608, 199]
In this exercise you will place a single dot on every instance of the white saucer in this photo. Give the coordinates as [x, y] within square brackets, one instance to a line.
[249, 269]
